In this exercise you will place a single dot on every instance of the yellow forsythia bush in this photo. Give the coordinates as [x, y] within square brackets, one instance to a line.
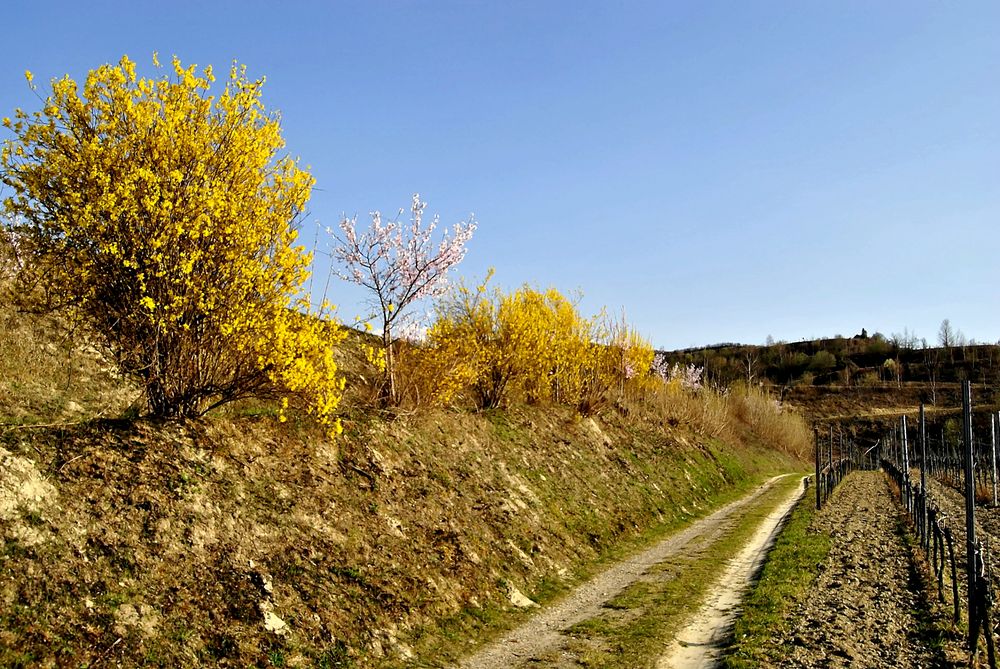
[161, 214]
[501, 339]
[534, 344]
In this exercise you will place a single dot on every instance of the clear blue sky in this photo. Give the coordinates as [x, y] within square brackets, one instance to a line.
[722, 171]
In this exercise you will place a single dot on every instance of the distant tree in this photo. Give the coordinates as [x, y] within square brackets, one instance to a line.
[878, 345]
[906, 341]
[946, 335]
[822, 361]
[932, 363]
[750, 363]
[894, 371]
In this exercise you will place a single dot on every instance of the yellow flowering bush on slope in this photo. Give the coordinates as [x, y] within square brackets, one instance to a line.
[161, 215]
[536, 344]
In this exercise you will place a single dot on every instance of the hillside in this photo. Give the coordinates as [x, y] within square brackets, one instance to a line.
[857, 361]
[239, 540]
[867, 382]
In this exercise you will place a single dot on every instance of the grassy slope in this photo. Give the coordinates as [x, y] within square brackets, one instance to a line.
[179, 539]
[140, 543]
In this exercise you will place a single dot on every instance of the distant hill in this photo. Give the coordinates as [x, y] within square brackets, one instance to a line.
[861, 360]
[862, 383]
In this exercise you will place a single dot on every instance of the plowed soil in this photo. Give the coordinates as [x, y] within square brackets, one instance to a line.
[868, 607]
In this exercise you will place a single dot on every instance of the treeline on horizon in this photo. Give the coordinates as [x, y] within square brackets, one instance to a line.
[861, 360]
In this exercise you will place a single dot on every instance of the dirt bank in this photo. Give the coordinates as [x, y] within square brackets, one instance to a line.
[242, 541]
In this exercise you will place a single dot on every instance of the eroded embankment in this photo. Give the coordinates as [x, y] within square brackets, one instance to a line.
[240, 541]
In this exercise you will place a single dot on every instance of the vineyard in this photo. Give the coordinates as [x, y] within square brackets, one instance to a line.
[949, 471]
[944, 480]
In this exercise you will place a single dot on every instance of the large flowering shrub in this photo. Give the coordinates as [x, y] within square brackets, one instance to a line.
[161, 215]
[535, 344]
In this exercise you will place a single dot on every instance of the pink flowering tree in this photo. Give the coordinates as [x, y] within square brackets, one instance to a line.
[400, 264]
[688, 377]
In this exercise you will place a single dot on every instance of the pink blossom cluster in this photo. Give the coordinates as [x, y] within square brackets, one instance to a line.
[689, 376]
[400, 263]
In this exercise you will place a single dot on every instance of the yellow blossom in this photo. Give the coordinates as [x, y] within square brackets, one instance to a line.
[177, 225]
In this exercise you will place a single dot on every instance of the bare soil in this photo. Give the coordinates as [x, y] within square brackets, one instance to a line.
[868, 607]
[951, 505]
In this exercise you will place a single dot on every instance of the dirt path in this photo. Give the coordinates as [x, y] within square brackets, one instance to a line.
[544, 632]
[865, 608]
[700, 644]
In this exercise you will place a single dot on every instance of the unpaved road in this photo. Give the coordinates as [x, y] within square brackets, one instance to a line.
[544, 633]
[699, 645]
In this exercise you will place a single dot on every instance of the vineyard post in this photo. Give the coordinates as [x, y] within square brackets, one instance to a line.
[906, 463]
[923, 477]
[818, 486]
[840, 431]
[993, 455]
[829, 460]
[895, 448]
[970, 499]
[948, 461]
[983, 607]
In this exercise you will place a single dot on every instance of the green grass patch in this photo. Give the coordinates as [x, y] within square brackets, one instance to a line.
[791, 567]
[637, 624]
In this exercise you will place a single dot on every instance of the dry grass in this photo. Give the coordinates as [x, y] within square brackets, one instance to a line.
[729, 415]
[47, 375]
[179, 539]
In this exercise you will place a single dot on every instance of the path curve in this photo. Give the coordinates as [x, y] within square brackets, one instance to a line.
[544, 630]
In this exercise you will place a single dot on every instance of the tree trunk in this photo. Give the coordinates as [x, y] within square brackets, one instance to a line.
[389, 392]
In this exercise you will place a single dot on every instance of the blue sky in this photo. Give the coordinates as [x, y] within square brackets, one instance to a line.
[722, 171]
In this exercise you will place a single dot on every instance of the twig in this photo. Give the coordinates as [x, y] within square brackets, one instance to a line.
[65, 464]
[11, 426]
[110, 648]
